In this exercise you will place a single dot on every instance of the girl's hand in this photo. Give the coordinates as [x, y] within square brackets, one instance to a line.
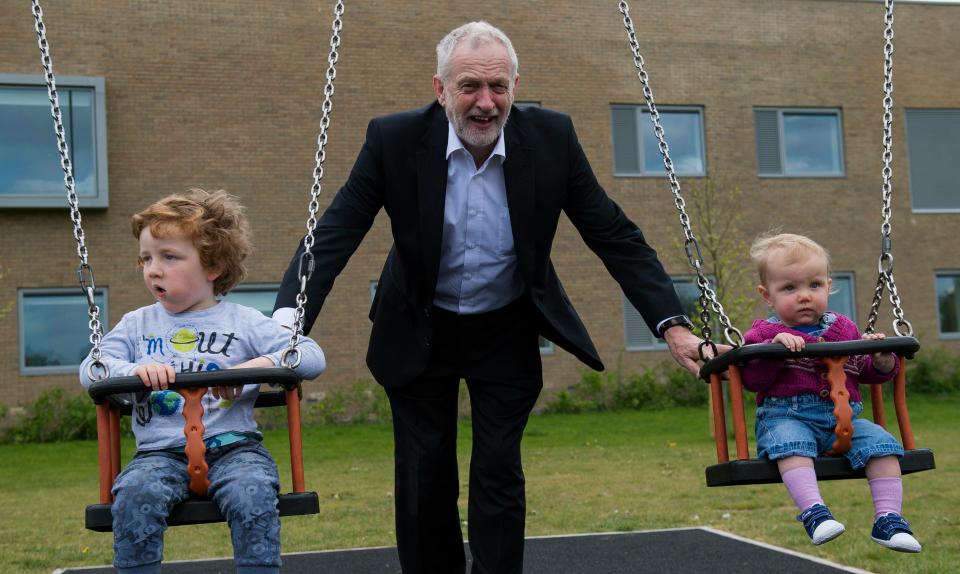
[882, 362]
[792, 342]
[155, 375]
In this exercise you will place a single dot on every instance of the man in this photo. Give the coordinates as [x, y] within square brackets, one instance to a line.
[468, 286]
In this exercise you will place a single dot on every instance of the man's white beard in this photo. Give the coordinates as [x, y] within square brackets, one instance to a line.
[473, 137]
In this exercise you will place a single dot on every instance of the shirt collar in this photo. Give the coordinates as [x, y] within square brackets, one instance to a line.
[454, 143]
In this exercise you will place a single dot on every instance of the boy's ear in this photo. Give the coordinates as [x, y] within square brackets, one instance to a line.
[213, 274]
[765, 294]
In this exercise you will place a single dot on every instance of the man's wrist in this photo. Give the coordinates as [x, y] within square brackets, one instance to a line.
[678, 321]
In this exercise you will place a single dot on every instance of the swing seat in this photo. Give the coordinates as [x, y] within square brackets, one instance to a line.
[745, 470]
[197, 509]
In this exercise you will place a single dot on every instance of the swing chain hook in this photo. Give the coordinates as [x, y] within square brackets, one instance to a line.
[97, 369]
[885, 279]
[306, 265]
[708, 298]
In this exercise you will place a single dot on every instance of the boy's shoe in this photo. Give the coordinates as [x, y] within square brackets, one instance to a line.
[820, 524]
[892, 531]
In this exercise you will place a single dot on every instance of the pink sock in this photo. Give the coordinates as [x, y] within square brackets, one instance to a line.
[887, 495]
[801, 483]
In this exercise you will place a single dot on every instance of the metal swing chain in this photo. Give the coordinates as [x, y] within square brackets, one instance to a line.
[901, 326]
[708, 298]
[306, 263]
[97, 369]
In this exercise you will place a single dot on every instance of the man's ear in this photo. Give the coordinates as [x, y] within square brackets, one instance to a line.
[438, 89]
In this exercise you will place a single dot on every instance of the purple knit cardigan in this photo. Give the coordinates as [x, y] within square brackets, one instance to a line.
[791, 377]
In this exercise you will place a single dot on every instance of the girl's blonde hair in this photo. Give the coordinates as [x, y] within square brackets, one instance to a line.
[213, 222]
[794, 247]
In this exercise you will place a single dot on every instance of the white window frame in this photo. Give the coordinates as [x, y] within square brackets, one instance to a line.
[950, 335]
[640, 110]
[28, 292]
[99, 126]
[782, 149]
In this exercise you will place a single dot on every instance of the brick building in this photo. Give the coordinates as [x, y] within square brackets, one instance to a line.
[780, 100]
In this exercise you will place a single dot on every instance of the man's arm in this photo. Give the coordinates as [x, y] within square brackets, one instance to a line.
[337, 236]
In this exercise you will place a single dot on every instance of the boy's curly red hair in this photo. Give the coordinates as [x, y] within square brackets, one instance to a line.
[213, 222]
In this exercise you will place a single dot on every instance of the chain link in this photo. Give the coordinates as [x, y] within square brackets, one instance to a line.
[708, 298]
[98, 370]
[306, 264]
[885, 278]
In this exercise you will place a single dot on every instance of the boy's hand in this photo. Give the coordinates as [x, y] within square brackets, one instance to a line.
[882, 362]
[792, 342]
[155, 375]
[226, 393]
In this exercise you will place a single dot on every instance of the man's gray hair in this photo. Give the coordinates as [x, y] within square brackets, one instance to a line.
[477, 33]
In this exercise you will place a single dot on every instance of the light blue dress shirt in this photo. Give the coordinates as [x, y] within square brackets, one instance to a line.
[478, 260]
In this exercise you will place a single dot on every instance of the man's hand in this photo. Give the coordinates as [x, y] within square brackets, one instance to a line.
[685, 348]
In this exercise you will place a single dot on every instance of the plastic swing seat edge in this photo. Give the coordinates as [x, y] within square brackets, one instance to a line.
[763, 471]
[99, 518]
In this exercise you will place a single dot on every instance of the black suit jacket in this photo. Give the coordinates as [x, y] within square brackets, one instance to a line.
[402, 168]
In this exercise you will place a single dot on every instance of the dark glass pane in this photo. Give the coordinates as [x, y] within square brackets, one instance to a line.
[682, 133]
[29, 160]
[626, 151]
[811, 143]
[55, 329]
[948, 303]
[841, 297]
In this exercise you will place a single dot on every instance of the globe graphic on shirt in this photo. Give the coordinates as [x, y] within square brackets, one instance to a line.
[166, 403]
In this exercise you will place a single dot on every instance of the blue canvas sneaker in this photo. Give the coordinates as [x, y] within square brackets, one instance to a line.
[893, 532]
[820, 524]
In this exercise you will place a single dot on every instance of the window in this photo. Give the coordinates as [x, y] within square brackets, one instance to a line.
[933, 138]
[259, 296]
[948, 304]
[30, 172]
[636, 151]
[798, 143]
[637, 336]
[546, 346]
[54, 329]
[529, 104]
[842, 293]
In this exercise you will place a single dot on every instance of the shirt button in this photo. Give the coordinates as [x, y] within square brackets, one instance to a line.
[471, 246]
[426, 341]
[426, 312]
[824, 393]
[466, 276]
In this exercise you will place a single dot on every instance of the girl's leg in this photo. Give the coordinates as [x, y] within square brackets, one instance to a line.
[886, 486]
[244, 484]
[144, 493]
[801, 481]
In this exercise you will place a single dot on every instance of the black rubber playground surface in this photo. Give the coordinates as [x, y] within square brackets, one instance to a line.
[684, 550]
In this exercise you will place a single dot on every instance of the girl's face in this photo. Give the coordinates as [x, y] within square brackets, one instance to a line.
[173, 273]
[797, 288]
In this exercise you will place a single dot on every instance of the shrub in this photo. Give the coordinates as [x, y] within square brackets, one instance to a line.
[934, 372]
[55, 417]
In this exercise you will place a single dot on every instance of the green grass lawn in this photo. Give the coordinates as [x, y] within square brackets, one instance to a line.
[630, 470]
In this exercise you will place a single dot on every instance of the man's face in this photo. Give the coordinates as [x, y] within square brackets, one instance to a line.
[477, 92]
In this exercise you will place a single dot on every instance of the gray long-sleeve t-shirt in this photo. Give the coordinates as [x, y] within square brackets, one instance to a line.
[216, 338]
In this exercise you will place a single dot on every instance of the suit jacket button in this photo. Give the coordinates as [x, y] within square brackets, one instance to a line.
[426, 341]
[426, 312]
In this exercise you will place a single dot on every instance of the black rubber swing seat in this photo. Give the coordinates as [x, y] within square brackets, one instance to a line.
[202, 510]
[763, 471]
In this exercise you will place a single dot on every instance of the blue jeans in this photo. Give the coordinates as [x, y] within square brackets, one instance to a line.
[243, 484]
[804, 426]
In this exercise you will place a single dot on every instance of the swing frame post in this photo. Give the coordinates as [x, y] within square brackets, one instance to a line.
[105, 460]
[900, 405]
[719, 418]
[296, 439]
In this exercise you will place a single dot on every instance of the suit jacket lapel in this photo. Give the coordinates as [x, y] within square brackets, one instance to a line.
[431, 193]
[519, 179]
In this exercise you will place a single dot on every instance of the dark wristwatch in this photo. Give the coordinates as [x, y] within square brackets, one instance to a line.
[673, 322]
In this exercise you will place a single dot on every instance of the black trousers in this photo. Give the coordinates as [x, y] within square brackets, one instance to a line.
[498, 355]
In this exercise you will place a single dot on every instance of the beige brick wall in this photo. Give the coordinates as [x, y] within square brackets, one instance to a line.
[225, 94]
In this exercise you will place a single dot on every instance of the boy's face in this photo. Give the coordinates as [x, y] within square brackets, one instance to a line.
[796, 289]
[173, 273]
